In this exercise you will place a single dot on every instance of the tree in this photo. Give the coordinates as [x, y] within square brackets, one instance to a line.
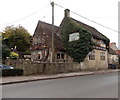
[5, 51]
[17, 37]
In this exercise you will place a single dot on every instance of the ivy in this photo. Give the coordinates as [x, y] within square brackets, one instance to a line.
[78, 49]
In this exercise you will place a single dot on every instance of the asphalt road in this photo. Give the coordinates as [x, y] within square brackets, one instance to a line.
[92, 86]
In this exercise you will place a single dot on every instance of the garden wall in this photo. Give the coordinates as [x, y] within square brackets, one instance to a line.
[38, 68]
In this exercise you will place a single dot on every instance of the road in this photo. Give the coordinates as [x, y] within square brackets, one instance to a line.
[92, 86]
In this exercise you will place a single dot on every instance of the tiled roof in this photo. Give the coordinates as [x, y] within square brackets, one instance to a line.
[46, 28]
[111, 51]
[92, 30]
[117, 51]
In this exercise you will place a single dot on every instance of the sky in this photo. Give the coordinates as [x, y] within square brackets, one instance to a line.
[27, 13]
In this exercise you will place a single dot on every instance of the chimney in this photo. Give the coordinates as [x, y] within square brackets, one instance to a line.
[67, 13]
[113, 43]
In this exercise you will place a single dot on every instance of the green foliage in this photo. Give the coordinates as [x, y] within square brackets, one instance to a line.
[17, 36]
[79, 49]
[12, 72]
[5, 51]
[7, 32]
[14, 55]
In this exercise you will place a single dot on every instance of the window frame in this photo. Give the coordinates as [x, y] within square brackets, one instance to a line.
[60, 56]
[92, 55]
[102, 56]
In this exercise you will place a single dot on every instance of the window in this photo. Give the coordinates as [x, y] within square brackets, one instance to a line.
[102, 55]
[92, 55]
[34, 41]
[39, 55]
[73, 37]
[60, 55]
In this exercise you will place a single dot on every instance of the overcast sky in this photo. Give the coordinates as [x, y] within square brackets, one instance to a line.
[28, 12]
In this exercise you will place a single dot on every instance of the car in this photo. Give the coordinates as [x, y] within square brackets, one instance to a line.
[112, 66]
[2, 66]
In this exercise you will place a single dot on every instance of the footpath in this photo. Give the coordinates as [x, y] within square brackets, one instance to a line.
[22, 79]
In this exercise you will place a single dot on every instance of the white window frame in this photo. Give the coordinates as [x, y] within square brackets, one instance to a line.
[74, 37]
[102, 56]
[92, 55]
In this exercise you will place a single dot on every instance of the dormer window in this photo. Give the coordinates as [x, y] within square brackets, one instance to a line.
[74, 37]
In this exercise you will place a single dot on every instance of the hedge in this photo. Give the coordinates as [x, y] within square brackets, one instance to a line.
[12, 72]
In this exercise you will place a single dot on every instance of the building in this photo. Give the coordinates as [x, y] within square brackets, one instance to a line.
[113, 57]
[114, 47]
[97, 58]
[41, 45]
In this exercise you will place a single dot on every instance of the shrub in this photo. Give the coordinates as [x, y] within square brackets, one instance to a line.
[14, 55]
[12, 72]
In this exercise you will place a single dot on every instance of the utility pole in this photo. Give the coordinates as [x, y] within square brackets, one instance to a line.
[52, 45]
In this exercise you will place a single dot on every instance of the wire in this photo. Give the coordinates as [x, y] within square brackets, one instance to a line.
[25, 16]
[50, 1]
[89, 19]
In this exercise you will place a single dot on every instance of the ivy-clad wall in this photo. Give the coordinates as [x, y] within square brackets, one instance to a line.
[78, 49]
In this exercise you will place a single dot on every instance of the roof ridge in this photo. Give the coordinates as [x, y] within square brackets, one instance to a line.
[47, 23]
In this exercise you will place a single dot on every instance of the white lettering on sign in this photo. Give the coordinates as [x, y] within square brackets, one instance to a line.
[73, 37]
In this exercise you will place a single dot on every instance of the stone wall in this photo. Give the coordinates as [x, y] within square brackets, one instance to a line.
[36, 67]
[96, 64]
[32, 67]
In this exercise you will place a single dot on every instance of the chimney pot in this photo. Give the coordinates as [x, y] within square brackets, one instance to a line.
[67, 13]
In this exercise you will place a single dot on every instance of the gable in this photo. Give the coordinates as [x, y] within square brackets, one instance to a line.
[43, 35]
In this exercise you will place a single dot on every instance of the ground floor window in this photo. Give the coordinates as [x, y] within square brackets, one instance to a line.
[60, 55]
[92, 55]
[39, 55]
[102, 55]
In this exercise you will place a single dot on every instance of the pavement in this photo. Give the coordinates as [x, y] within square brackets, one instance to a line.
[22, 79]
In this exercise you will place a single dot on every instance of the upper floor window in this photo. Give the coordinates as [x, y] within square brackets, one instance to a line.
[102, 55]
[73, 37]
[34, 40]
[92, 55]
[99, 42]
